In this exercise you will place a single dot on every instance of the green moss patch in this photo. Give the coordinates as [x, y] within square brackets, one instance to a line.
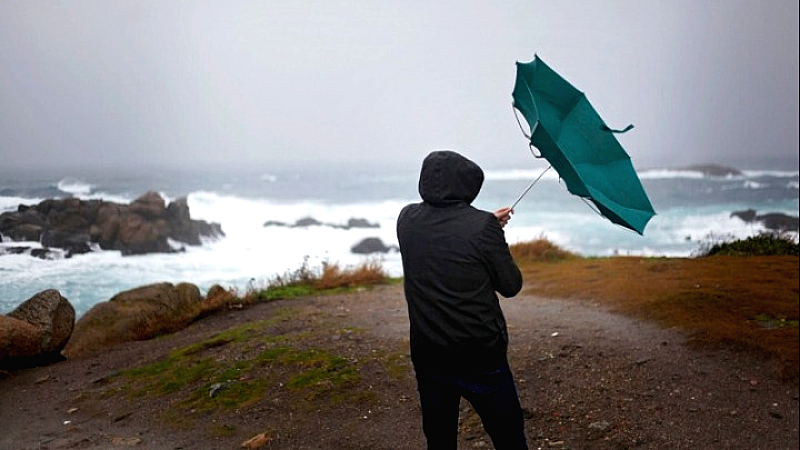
[241, 367]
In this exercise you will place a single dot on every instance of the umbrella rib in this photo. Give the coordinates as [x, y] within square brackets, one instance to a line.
[594, 208]
[516, 116]
[591, 206]
[522, 129]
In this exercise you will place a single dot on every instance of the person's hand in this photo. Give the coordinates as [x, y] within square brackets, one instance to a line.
[503, 215]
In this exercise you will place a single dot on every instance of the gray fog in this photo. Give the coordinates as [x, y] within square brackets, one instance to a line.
[119, 83]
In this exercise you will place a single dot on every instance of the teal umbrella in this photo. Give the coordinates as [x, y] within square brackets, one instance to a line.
[571, 136]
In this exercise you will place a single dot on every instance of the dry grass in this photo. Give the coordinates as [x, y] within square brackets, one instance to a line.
[306, 280]
[221, 299]
[367, 273]
[749, 303]
[539, 250]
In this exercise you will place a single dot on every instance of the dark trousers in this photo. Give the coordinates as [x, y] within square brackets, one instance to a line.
[492, 395]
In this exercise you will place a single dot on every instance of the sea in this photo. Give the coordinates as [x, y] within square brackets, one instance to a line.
[693, 210]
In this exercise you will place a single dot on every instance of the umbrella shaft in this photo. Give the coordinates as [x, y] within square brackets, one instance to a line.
[530, 186]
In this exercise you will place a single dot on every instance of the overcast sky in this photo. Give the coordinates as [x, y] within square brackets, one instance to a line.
[122, 82]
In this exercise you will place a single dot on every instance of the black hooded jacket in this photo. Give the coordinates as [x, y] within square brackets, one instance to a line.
[455, 259]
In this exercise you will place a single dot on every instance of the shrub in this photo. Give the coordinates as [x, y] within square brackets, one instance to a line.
[306, 280]
[764, 244]
[367, 273]
[539, 250]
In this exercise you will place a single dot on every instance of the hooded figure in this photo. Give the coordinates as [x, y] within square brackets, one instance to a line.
[455, 261]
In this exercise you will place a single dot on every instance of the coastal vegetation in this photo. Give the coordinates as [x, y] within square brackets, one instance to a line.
[764, 244]
[328, 278]
[541, 250]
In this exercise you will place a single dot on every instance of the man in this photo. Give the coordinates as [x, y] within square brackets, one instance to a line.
[455, 259]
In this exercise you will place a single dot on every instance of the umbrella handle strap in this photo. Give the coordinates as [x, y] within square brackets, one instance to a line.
[530, 186]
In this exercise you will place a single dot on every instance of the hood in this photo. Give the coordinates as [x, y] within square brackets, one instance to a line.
[447, 177]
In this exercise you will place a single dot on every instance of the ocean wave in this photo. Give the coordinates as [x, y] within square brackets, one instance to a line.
[250, 214]
[771, 173]
[87, 191]
[112, 198]
[13, 202]
[711, 226]
[74, 187]
[750, 184]
[668, 174]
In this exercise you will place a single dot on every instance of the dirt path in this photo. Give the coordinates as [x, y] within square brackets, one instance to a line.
[588, 379]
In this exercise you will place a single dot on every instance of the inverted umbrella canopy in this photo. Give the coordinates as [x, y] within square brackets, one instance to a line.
[570, 134]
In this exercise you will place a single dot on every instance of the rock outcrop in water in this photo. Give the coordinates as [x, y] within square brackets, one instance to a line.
[771, 221]
[312, 222]
[713, 170]
[144, 226]
[372, 245]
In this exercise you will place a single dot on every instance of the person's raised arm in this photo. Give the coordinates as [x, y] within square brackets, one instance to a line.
[503, 271]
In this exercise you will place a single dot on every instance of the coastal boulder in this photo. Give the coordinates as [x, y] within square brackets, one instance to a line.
[18, 340]
[138, 314]
[36, 331]
[184, 229]
[22, 231]
[150, 206]
[25, 224]
[51, 313]
[68, 214]
[137, 235]
[74, 242]
[105, 229]
[141, 227]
